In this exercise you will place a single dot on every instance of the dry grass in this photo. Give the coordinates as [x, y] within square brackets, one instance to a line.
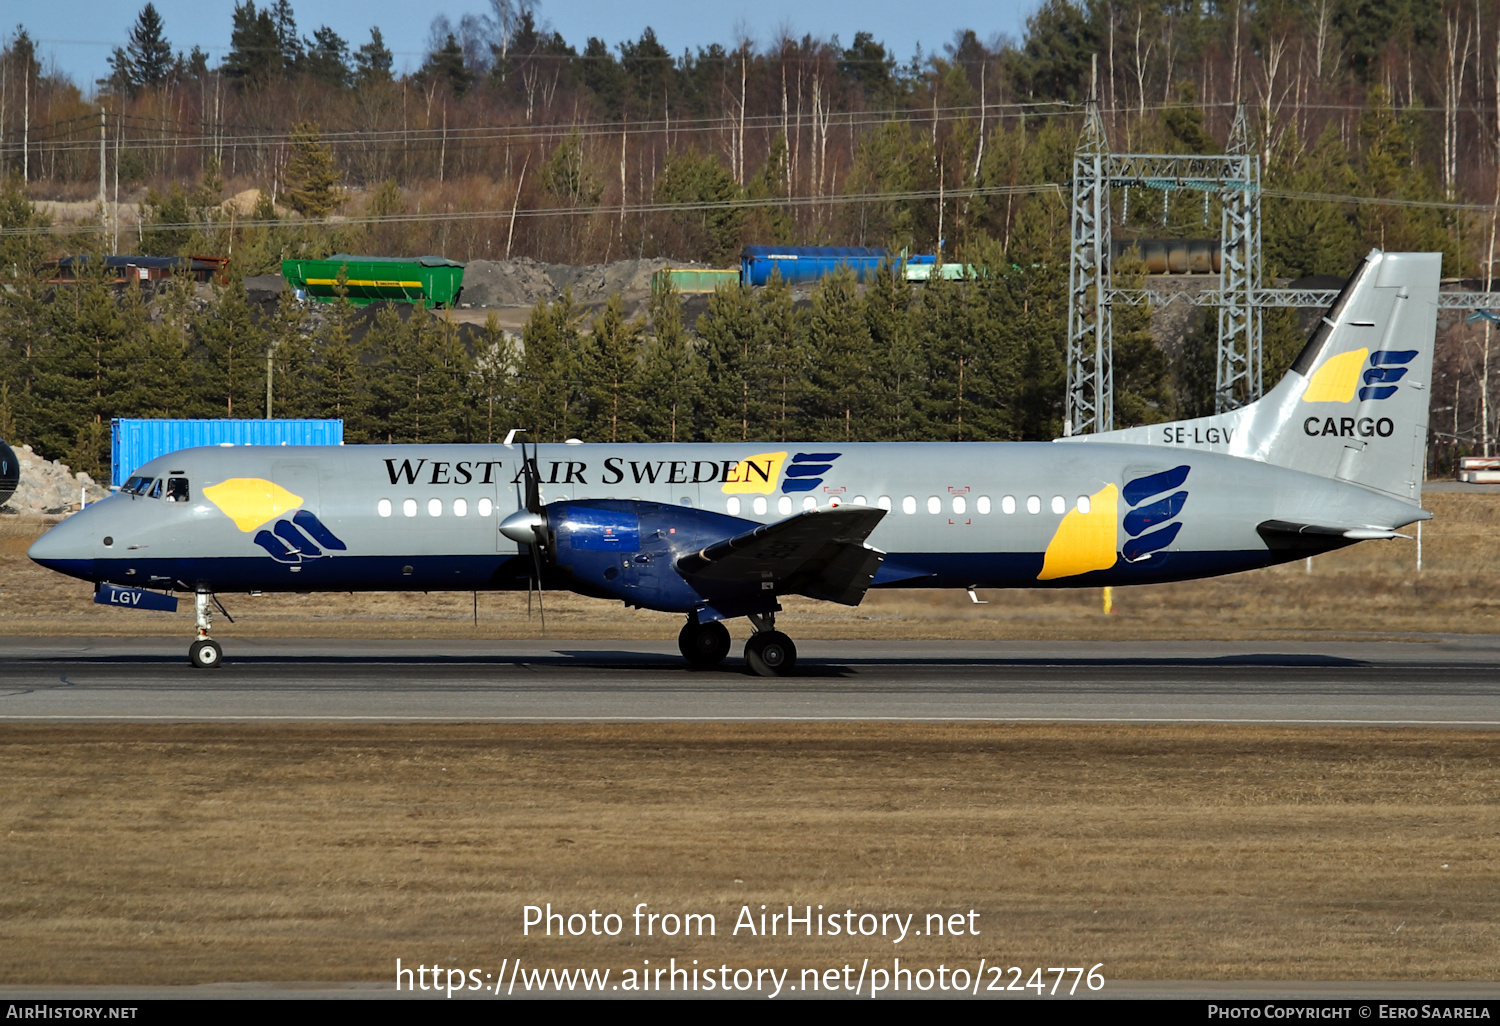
[195, 853]
[1368, 587]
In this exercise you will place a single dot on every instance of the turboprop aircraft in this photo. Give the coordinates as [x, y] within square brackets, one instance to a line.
[1333, 454]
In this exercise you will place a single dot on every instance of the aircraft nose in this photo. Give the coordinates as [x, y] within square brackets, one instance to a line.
[67, 548]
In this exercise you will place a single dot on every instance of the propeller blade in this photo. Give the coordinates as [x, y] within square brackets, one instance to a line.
[536, 563]
[533, 479]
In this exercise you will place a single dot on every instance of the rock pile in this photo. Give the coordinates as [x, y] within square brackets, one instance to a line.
[524, 282]
[49, 487]
[506, 283]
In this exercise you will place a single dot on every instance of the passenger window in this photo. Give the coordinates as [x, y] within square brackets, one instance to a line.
[460, 507]
[409, 507]
[733, 505]
[177, 489]
[809, 503]
[1084, 505]
[1008, 504]
[759, 505]
[434, 507]
[784, 505]
[934, 504]
[859, 500]
[155, 492]
[383, 507]
[1059, 505]
[983, 505]
[486, 507]
[1033, 504]
[909, 505]
[959, 504]
[884, 502]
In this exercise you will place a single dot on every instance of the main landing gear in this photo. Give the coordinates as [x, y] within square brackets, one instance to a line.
[769, 652]
[205, 653]
[704, 646]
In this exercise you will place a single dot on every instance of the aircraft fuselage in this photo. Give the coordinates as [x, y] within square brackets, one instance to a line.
[990, 515]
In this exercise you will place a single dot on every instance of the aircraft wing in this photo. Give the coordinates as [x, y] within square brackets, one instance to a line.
[820, 553]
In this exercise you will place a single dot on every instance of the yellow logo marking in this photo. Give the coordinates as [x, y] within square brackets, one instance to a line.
[1084, 541]
[1335, 381]
[754, 474]
[251, 501]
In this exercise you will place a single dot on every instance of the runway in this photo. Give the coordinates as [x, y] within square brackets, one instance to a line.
[1443, 680]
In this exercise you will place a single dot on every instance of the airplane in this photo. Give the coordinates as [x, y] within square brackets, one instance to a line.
[1332, 455]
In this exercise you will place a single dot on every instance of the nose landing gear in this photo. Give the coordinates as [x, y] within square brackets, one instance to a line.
[204, 653]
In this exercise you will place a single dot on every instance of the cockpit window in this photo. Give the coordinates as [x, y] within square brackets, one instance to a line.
[155, 492]
[177, 489]
[136, 486]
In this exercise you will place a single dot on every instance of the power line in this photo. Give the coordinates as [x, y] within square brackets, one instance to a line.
[528, 133]
[610, 210]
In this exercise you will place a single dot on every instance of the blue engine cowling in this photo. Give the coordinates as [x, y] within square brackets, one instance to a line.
[627, 550]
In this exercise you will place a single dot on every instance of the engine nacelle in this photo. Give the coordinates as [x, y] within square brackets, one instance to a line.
[627, 550]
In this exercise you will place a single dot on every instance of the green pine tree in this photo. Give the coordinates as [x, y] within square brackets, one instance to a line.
[342, 380]
[495, 377]
[312, 179]
[784, 361]
[612, 370]
[732, 333]
[546, 379]
[673, 374]
[896, 362]
[294, 378]
[234, 355]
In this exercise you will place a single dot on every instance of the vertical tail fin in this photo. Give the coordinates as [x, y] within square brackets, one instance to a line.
[1354, 405]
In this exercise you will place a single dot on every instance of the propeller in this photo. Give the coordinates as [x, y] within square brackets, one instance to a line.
[528, 527]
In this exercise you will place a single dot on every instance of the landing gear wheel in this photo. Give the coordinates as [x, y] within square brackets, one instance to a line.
[205, 654]
[771, 654]
[704, 645]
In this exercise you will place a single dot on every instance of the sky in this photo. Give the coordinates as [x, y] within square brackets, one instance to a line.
[80, 43]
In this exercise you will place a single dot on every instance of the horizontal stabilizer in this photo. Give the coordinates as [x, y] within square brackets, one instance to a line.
[820, 553]
[1284, 534]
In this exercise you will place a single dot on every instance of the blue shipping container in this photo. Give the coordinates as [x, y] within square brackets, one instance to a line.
[804, 264]
[134, 443]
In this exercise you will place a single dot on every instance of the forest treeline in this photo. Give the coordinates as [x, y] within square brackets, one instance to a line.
[509, 140]
[955, 361]
[1375, 119]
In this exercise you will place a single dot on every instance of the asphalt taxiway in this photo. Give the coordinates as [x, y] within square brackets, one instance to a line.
[1446, 680]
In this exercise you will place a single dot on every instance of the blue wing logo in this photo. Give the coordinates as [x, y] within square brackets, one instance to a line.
[1153, 525]
[806, 471]
[300, 539]
[1387, 366]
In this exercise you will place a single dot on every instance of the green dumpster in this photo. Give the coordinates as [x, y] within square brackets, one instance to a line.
[695, 279]
[428, 280]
